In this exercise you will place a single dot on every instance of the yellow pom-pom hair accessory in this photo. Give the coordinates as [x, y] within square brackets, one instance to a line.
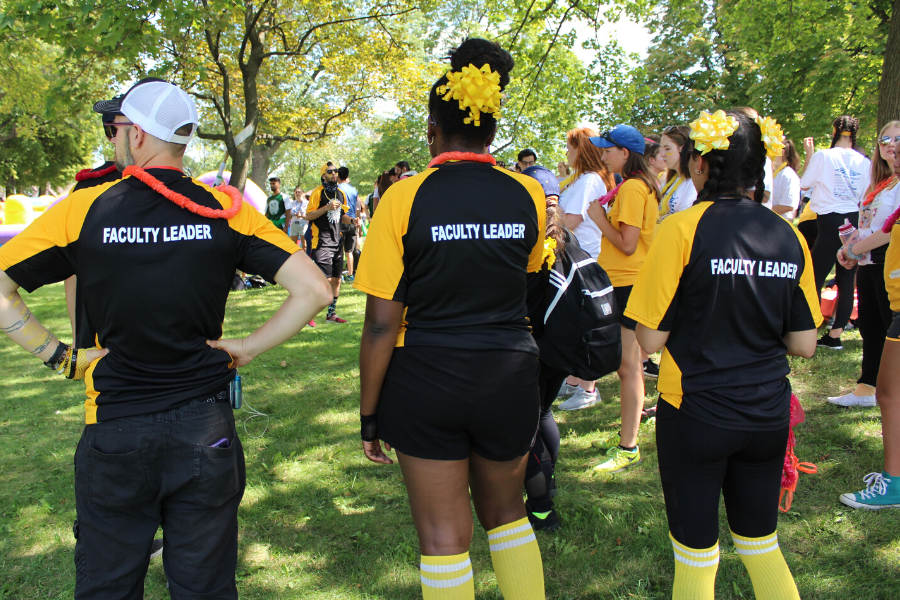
[477, 90]
[711, 131]
[772, 136]
[549, 255]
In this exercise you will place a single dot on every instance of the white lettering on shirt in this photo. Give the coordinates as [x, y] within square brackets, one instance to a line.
[142, 235]
[477, 231]
[743, 266]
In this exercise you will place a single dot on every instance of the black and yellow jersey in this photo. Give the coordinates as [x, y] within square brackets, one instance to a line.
[892, 269]
[326, 230]
[89, 178]
[728, 279]
[454, 245]
[154, 278]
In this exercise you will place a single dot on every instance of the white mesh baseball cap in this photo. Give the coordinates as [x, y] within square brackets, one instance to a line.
[160, 108]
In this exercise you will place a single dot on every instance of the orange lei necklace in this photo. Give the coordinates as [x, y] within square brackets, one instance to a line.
[469, 156]
[870, 197]
[183, 201]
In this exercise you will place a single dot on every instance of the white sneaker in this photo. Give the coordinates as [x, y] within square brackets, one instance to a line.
[580, 399]
[852, 399]
[566, 391]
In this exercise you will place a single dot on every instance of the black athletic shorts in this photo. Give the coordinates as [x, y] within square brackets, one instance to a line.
[622, 294]
[893, 332]
[445, 403]
[330, 260]
[348, 237]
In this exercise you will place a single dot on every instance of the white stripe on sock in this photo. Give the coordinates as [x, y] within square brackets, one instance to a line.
[520, 529]
[757, 551]
[512, 543]
[769, 540]
[446, 583]
[696, 563]
[445, 568]
[679, 548]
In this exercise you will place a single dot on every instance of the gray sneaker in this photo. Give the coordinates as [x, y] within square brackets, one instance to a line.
[566, 391]
[156, 548]
[580, 399]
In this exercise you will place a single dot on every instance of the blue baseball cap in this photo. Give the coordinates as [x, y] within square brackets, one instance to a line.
[545, 177]
[624, 136]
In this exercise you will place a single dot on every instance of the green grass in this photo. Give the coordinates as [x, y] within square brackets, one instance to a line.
[318, 521]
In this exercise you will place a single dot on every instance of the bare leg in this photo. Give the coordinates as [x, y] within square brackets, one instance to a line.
[587, 386]
[888, 395]
[335, 286]
[497, 490]
[631, 375]
[439, 500]
[350, 264]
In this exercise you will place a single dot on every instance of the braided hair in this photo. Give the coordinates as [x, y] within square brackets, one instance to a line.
[741, 166]
[842, 124]
[447, 115]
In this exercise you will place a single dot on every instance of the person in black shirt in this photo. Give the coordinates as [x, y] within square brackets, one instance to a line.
[155, 253]
[448, 368]
[728, 289]
[326, 211]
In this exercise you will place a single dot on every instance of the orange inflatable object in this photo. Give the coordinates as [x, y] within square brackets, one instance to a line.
[829, 301]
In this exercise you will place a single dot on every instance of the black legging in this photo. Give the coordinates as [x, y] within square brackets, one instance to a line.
[874, 319]
[824, 257]
[697, 460]
[543, 455]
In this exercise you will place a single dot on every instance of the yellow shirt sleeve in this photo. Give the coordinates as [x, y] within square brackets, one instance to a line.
[632, 200]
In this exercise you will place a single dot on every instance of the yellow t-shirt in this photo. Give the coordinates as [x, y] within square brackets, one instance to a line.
[633, 205]
[892, 269]
[807, 214]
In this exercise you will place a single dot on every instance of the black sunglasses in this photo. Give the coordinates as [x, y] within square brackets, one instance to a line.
[331, 170]
[110, 130]
[887, 140]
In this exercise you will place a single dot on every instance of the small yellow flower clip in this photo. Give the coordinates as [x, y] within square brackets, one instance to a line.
[711, 131]
[772, 136]
[549, 256]
[477, 90]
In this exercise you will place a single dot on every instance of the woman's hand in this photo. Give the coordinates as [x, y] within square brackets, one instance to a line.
[844, 260]
[809, 145]
[596, 211]
[374, 452]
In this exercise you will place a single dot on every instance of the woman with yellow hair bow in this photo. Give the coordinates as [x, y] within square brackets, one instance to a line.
[448, 368]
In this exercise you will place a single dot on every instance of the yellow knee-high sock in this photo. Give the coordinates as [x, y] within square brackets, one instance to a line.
[769, 573]
[517, 561]
[695, 572]
[447, 577]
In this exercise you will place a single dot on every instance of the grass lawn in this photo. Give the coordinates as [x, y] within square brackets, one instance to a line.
[318, 521]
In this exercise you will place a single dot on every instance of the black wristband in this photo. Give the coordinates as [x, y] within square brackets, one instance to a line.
[368, 427]
[57, 357]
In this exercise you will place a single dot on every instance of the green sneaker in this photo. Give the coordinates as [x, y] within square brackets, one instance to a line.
[607, 441]
[617, 460]
[879, 493]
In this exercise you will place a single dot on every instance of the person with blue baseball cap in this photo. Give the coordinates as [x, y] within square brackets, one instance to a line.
[627, 217]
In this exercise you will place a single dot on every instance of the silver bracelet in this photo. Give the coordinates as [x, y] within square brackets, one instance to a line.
[850, 254]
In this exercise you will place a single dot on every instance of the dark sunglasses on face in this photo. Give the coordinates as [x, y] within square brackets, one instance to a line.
[110, 130]
[887, 140]
[330, 171]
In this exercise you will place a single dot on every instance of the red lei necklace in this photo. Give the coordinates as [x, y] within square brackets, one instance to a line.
[183, 201]
[91, 174]
[468, 156]
[870, 197]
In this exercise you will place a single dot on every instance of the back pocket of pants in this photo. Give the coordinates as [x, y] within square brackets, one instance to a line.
[217, 473]
[118, 481]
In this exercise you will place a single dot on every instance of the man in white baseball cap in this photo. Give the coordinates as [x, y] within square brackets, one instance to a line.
[155, 254]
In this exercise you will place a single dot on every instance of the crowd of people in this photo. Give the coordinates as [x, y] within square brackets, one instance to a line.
[691, 233]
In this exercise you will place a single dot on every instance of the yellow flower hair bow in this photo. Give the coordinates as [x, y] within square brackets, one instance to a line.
[477, 90]
[711, 131]
[549, 256]
[772, 136]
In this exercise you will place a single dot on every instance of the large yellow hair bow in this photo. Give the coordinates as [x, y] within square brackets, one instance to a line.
[711, 131]
[477, 90]
[772, 136]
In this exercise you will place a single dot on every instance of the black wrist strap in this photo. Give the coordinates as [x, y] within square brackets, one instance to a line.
[369, 427]
[57, 357]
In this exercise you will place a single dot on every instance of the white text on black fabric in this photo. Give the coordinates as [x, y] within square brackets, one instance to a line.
[478, 231]
[743, 266]
[152, 235]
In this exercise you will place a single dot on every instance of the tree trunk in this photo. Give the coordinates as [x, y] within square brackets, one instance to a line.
[889, 87]
[262, 155]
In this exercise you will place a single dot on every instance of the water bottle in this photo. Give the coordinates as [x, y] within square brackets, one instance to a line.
[236, 393]
[846, 232]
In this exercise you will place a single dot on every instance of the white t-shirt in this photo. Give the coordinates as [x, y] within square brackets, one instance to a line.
[838, 178]
[786, 191]
[297, 208]
[575, 200]
[873, 216]
[683, 198]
